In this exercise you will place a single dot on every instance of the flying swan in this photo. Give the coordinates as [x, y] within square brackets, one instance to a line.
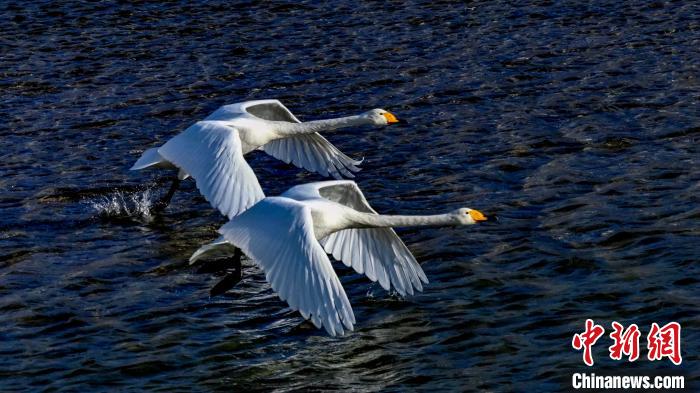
[288, 237]
[211, 151]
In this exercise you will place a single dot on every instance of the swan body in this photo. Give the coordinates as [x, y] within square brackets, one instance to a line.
[211, 151]
[289, 236]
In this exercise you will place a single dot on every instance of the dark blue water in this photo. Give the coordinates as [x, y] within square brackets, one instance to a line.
[575, 126]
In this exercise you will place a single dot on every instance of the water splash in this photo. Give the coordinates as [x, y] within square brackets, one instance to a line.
[122, 204]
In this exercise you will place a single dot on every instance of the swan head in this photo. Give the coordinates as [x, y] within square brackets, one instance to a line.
[467, 216]
[381, 117]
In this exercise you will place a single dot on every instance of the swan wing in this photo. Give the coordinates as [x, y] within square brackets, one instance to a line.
[378, 253]
[211, 153]
[314, 153]
[277, 233]
[271, 110]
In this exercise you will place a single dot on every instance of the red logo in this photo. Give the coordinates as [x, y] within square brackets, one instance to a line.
[626, 342]
[587, 339]
[665, 342]
[662, 342]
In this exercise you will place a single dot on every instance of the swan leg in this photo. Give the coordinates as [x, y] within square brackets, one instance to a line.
[163, 202]
[232, 277]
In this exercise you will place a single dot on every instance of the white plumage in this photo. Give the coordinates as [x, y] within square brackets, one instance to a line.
[289, 236]
[211, 151]
[278, 234]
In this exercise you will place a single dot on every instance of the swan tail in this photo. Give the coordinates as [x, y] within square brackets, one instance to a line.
[215, 248]
[148, 159]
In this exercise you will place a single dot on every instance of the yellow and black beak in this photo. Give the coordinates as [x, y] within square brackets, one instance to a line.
[477, 215]
[390, 118]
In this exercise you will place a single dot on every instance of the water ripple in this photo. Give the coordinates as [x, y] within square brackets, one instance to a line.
[574, 125]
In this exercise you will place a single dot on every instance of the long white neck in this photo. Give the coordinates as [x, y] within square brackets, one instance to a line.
[309, 127]
[367, 220]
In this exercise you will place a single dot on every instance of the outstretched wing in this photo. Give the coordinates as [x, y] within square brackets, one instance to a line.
[379, 253]
[211, 153]
[277, 233]
[271, 110]
[313, 152]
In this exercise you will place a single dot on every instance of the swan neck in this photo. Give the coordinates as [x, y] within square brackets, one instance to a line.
[367, 220]
[310, 127]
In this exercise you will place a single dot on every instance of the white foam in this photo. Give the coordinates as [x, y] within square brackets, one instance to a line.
[119, 204]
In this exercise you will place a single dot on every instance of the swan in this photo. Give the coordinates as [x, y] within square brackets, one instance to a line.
[212, 150]
[288, 237]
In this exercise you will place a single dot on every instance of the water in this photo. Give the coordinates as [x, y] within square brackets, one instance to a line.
[575, 126]
[120, 204]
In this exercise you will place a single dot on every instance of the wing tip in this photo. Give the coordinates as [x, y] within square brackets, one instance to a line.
[357, 162]
[198, 254]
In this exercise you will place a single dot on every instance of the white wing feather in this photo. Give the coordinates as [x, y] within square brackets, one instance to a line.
[313, 152]
[277, 233]
[378, 253]
[211, 153]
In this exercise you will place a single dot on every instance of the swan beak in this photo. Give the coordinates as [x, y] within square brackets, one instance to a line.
[477, 215]
[390, 118]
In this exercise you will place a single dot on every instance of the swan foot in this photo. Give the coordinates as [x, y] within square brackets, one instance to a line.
[163, 202]
[232, 277]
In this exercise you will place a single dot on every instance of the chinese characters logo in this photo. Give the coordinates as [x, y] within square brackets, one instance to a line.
[662, 342]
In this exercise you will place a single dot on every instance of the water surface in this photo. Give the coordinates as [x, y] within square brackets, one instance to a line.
[575, 127]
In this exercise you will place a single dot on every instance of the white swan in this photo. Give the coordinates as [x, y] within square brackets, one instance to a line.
[289, 236]
[211, 151]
